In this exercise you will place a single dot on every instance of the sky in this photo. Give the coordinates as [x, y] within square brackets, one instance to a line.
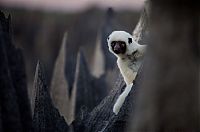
[73, 5]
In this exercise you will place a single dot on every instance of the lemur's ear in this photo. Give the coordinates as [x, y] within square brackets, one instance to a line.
[130, 40]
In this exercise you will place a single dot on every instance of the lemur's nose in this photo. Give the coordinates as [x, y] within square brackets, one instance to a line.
[117, 48]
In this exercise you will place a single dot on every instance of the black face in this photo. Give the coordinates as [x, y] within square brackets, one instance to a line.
[118, 47]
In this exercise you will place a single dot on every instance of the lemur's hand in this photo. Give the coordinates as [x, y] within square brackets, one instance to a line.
[140, 52]
[121, 99]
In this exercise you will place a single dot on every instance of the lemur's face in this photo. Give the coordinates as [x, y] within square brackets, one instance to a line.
[121, 43]
[118, 47]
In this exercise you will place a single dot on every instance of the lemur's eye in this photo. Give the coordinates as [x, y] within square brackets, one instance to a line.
[123, 44]
[113, 43]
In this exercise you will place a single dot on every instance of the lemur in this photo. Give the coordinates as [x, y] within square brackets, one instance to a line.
[129, 57]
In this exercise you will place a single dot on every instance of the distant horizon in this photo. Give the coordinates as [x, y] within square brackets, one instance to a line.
[73, 6]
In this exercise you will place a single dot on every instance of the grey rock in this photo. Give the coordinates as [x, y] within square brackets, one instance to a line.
[46, 117]
[15, 108]
[102, 117]
[89, 90]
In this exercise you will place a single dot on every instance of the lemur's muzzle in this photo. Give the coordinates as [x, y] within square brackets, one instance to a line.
[119, 48]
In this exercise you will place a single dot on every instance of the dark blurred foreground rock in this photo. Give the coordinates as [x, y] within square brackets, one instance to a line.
[168, 99]
[15, 113]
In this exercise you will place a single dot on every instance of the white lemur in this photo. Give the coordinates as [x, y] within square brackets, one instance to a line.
[129, 56]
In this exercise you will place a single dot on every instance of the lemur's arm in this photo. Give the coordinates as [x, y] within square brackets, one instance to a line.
[122, 98]
[127, 73]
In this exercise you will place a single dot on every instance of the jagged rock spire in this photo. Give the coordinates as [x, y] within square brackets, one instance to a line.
[59, 85]
[83, 85]
[102, 117]
[15, 108]
[46, 117]
[88, 92]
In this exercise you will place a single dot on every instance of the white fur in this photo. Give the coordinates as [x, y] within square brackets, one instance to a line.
[128, 62]
[122, 36]
[127, 73]
[122, 98]
[126, 67]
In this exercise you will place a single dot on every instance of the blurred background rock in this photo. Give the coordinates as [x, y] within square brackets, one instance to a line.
[39, 31]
